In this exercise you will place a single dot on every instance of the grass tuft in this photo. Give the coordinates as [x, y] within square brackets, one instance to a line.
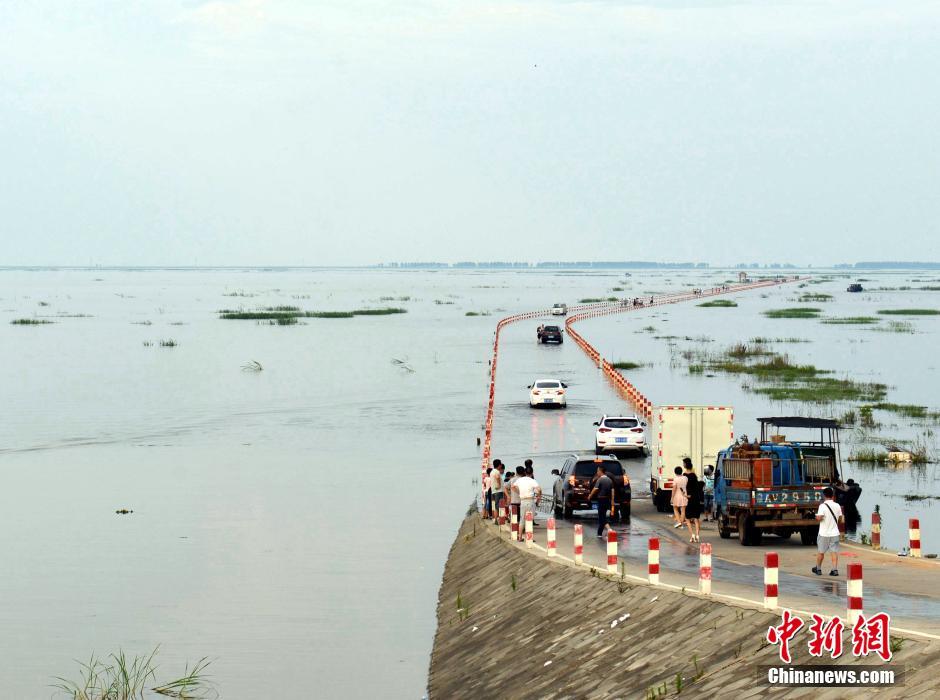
[627, 365]
[909, 312]
[30, 321]
[798, 312]
[719, 304]
[850, 320]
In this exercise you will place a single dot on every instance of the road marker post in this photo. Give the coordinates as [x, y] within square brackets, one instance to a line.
[771, 579]
[514, 522]
[550, 536]
[876, 530]
[653, 560]
[913, 527]
[578, 544]
[529, 523]
[611, 551]
[854, 590]
[705, 568]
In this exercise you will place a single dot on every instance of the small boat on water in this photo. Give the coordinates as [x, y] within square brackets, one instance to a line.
[854, 287]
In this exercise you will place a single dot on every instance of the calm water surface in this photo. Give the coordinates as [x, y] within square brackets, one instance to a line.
[293, 523]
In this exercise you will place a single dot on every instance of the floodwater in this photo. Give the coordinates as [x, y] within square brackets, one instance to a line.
[292, 524]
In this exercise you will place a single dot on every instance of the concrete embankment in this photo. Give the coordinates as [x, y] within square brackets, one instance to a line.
[512, 624]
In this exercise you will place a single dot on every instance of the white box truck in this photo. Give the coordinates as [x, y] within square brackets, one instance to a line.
[697, 432]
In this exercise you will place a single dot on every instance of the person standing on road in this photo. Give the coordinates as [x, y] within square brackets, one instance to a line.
[496, 486]
[680, 498]
[829, 516]
[602, 493]
[693, 511]
[514, 494]
[708, 483]
[530, 495]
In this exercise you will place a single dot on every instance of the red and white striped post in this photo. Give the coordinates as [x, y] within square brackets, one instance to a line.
[913, 527]
[612, 551]
[771, 579]
[578, 544]
[876, 530]
[550, 536]
[514, 521]
[854, 590]
[653, 560]
[502, 516]
[529, 523]
[705, 568]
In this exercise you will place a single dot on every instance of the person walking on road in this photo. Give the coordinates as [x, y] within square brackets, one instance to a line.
[530, 495]
[602, 493]
[693, 511]
[496, 487]
[680, 498]
[829, 516]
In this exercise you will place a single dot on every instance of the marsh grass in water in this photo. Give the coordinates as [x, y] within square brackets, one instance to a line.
[168, 343]
[795, 312]
[30, 321]
[909, 312]
[595, 300]
[719, 304]
[276, 313]
[814, 296]
[850, 320]
[628, 365]
[121, 678]
[896, 327]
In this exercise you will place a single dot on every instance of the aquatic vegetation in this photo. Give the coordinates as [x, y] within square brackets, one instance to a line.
[814, 296]
[850, 320]
[168, 343]
[276, 313]
[779, 340]
[477, 313]
[719, 303]
[897, 327]
[742, 350]
[326, 314]
[798, 312]
[441, 302]
[906, 410]
[239, 294]
[628, 365]
[253, 366]
[283, 309]
[595, 300]
[141, 323]
[378, 312]
[869, 455]
[910, 312]
[122, 678]
[289, 321]
[30, 321]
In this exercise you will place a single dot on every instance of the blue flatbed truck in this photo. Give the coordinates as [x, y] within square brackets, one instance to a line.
[774, 485]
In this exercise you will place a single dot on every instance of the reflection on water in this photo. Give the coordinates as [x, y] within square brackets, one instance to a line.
[266, 530]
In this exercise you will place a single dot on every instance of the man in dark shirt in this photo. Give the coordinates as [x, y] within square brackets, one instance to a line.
[602, 491]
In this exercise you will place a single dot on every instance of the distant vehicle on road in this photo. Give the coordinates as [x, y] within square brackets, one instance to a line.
[696, 432]
[550, 334]
[560, 310]
[620, 433]
[547, 392]
[577, 475]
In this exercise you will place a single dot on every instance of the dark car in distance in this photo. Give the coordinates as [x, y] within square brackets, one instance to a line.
[576, 479]
[550, 334]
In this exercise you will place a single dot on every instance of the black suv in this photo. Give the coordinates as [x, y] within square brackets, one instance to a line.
[576, 479]
[550, 334]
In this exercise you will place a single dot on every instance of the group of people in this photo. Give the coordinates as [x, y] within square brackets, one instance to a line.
[693, 499]
[517, 488]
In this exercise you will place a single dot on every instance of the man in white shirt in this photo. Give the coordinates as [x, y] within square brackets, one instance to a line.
[529, 493]
[829, 516]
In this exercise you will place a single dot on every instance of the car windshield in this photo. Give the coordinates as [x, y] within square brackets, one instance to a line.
[547, 385]
[551, 329]
[620, 422]
[589, 468]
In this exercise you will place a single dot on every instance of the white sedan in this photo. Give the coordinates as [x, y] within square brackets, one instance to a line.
[560, 310]
[620, 433]
[547, 392]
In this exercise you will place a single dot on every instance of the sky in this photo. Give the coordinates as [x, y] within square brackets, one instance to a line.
[298, 132]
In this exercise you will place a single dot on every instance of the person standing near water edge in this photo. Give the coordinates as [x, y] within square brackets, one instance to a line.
[496, 487]
[529, 493]
[829, 515]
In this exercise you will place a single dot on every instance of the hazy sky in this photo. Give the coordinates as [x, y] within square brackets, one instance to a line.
[303, 132]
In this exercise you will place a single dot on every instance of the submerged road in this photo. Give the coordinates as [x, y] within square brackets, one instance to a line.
[904, 588]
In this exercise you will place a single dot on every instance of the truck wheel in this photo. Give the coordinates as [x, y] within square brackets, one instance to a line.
[748, 535]
[808, 535]
[661, 500]
[724, 529]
